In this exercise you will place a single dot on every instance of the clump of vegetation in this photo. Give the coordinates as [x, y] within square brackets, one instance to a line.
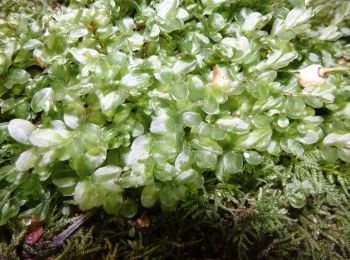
[196, 128]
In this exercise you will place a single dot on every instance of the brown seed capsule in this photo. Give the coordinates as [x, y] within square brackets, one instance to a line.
[310, 76]
[216, 74]
[314, 75]
[219, 78]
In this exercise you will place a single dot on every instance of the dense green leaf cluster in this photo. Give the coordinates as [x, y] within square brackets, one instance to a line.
[285, 208]
[104, 99]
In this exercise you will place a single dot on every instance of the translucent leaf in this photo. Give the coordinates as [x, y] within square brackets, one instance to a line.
[283, 122]
[16, 76]
[26, 160]
[211, 105]
[86, 196]
[166, 173]
[106, 173]
[184, 66]
[186, 176]
[74, 115]
[162, 124]
[182, 14]
[167, 8]
[196, 88]
[328, 98]
[295, 106]
[292, 146]
[232, 124]
[231, 163]
[330, 154]
[85, 55]
[284, 60]
[267, 76]
[310, 137]
[251, 22]
[64, 178]
[65, 182]
[206, 144]
[184, 160]
[316, 120]
[258, 91]
[217, 21]
[112, 203]
[149, 195]
[126, 25]
[42, 100]
[178, 90]
[253, 157]
[111, 101]
[297, 16]
[32, 44]
[49, 137]
[197, 183]
[266, 104]
[140, 149]
[166, 146]
[20, 130]
[315, 102]
[154, 31]
[205, 159]
[211, 131]
[79, 32]
[136, 41]
[330, 33]
[172, 24]
[109, 187]
[277, 60]
[135, 81]
[274, 57]
[86, 163]
[344, 154]
[253, 138]
[166, 76]
[191, 119]
[274, 147]
[334, 139]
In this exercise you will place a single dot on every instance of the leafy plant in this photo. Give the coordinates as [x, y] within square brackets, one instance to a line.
[123, 104]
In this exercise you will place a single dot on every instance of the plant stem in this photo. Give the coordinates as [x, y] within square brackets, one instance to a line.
[323, 71]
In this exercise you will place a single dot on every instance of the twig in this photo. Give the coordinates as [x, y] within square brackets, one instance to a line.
[61, 237]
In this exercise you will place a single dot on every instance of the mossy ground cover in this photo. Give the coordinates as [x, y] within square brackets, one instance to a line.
[213, 129]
